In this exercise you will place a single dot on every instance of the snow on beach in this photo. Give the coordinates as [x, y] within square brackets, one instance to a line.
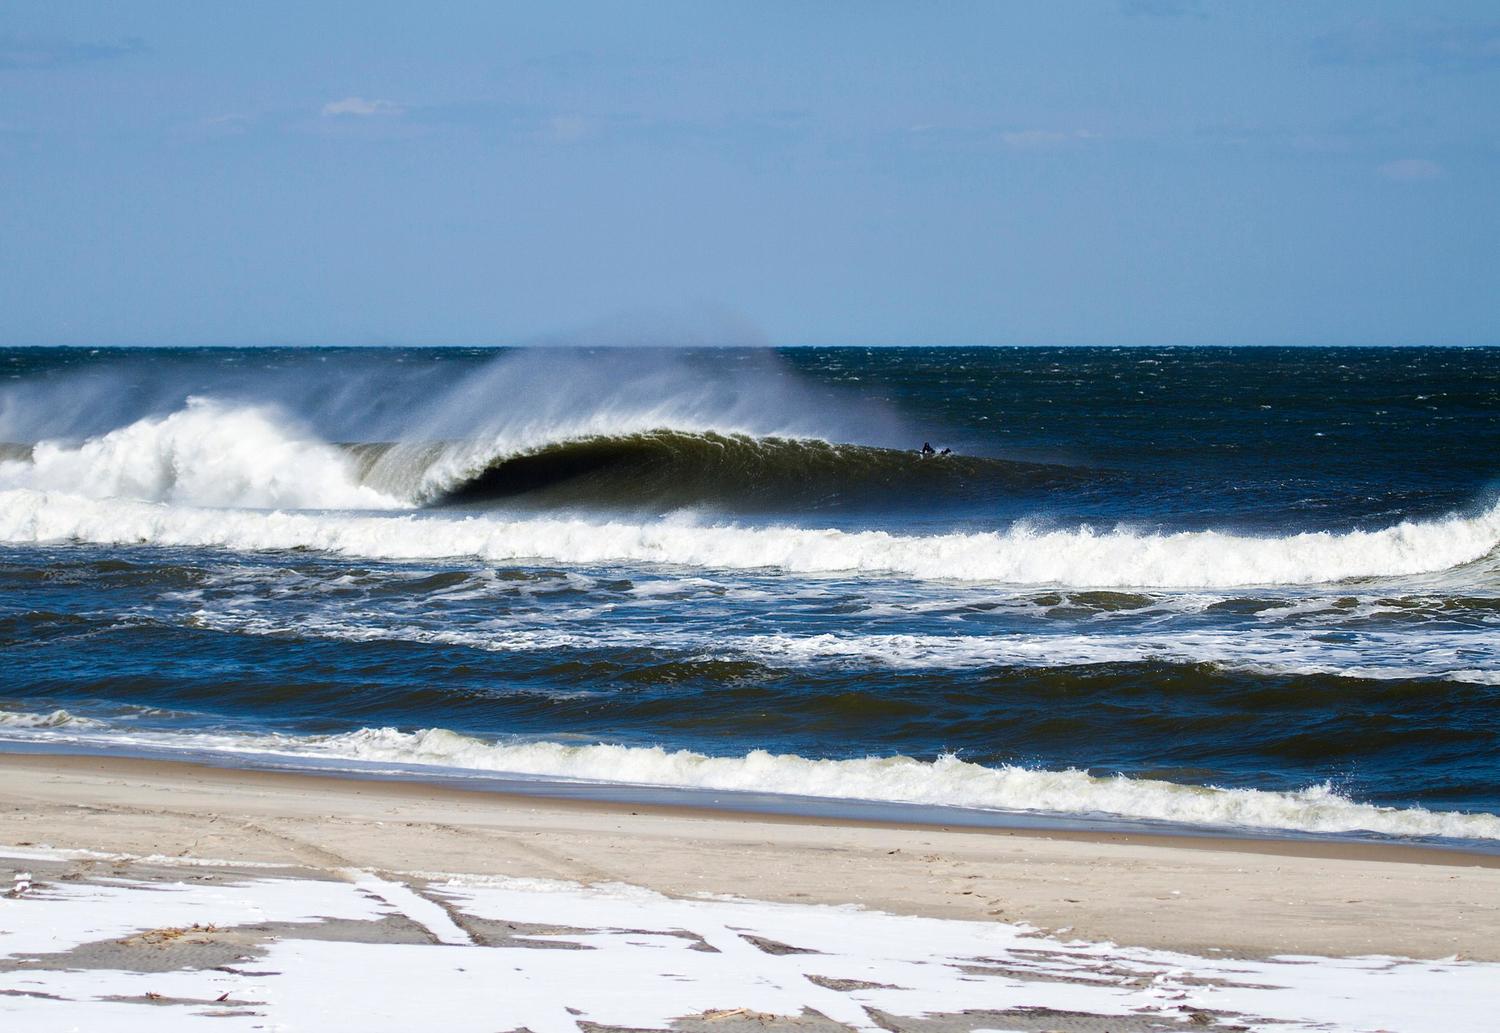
[109, 942]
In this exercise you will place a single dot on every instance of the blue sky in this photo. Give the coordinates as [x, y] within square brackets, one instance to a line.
[1135, 172]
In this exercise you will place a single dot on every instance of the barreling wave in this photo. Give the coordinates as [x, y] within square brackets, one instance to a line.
[947, 781]
[1083, 557]
[666, 468]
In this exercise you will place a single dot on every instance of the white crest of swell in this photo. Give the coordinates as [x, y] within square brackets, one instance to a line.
[205, 454]
[1019, 555]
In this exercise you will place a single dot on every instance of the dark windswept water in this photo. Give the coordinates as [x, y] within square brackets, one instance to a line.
[1254, 589]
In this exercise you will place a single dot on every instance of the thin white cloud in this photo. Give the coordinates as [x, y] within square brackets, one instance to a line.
[360, 107]
[1437, 44]
[231, 124]
[1410, 170]
[1162, 8]
[23, 54]
[569, 128]
[1032, 139]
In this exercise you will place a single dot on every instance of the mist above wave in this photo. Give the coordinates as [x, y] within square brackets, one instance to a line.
[503, 402]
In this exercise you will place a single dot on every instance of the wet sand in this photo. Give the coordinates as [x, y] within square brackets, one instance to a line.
[1240, 897]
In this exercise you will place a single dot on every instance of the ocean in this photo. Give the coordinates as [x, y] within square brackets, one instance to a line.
[1191, 590]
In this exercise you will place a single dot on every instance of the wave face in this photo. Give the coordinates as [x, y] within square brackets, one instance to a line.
[1141, 574]
[672, 469]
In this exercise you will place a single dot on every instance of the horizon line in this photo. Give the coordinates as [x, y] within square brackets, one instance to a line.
[708, 346]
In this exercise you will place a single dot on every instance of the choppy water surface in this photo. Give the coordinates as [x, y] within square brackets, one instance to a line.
[1248, 588]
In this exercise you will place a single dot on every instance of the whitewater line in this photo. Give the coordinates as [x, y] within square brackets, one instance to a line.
[947, 781]
[1020, 555]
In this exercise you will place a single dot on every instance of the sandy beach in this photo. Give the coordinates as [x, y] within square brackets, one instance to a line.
[159, 895]
[728, 518]
[1244, 896]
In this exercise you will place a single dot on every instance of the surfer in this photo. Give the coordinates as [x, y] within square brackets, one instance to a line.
[927, 449]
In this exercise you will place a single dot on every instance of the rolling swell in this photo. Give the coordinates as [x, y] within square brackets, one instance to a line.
[675, 468]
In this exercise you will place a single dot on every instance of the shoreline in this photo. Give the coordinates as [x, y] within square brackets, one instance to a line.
[774, 804]
[773, 808]
[1236, 896]
[1398, 826]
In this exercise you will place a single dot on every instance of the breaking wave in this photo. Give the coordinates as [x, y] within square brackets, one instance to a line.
[669, 468]
[205, 454]
[10, 719]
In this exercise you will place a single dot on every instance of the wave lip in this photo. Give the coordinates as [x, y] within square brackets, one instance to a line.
[1020, 555]
[945, 782]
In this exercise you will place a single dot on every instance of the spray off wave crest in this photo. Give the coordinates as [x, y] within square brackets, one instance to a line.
[258, 435]
[1019, 555]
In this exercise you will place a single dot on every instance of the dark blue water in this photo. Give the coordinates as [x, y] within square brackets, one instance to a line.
[1139, 573]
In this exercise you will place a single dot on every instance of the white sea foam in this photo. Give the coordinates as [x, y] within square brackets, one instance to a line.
[52, 719]
[948, 781]
[1374, 655]
[207, 454]
[1020, 555]
[1433, 653]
